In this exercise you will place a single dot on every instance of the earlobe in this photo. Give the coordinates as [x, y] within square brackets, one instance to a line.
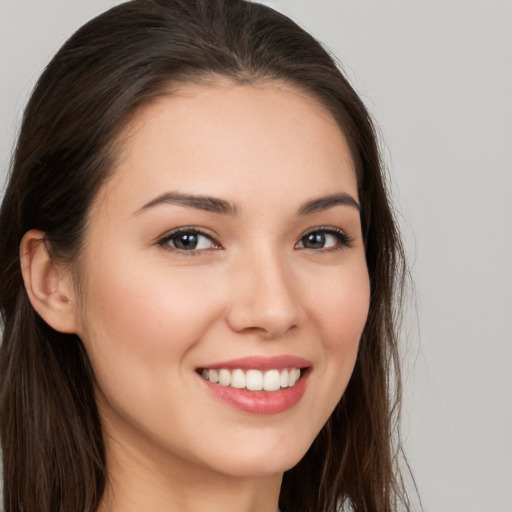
[48, 284]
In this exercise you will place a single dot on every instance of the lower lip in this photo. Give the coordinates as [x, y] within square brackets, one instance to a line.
[260, 402]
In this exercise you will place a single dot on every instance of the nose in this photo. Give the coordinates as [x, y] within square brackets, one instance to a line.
[265, 300]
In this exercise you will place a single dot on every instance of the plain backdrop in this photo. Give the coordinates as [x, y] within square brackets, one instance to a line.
[437, 76]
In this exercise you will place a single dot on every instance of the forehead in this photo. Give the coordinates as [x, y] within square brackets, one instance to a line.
[226, 138]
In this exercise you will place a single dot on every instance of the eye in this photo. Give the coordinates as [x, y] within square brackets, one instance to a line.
[324, 238]
[188, 240]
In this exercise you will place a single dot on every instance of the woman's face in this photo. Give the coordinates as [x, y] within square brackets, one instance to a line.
[227, 245]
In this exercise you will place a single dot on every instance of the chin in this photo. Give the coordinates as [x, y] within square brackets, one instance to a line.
[261, 460]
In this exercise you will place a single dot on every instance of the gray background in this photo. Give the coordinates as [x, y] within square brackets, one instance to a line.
[437, 76]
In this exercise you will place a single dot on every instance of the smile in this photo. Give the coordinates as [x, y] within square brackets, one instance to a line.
[258, 385]
[252, 379]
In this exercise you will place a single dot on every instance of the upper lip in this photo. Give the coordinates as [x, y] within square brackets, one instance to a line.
[261, 363]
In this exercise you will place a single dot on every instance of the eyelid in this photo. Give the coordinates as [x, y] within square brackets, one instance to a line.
[345, 240]
[164, 239]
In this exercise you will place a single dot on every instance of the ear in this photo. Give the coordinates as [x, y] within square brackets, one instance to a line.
[49, 284]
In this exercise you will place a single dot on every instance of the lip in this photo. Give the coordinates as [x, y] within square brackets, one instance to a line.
[261, 402]
[261, 363]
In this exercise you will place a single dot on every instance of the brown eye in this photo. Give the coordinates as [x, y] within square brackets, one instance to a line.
[188, 241]
[324, 239]
[314, 240]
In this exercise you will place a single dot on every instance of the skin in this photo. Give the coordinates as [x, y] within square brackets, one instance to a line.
[150, 314]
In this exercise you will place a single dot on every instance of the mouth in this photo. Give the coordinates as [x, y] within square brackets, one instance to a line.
[258, 385]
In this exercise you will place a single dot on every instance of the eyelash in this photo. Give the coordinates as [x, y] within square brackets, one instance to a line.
[344, 240]
[176, 233]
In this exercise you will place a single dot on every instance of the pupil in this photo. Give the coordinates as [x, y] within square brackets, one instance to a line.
[188, 241]
[315, 241]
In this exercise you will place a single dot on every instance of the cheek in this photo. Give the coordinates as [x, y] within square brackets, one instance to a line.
[341, 307]
[140, 329]
[138, 321]
[341, 313]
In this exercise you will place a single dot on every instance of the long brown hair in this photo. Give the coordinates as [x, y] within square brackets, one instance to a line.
[53, 451]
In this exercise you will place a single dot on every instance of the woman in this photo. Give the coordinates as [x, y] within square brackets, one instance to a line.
[198, 271]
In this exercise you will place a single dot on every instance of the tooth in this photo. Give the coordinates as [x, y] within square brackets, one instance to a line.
[254, 380]
[238, 379]
[271, 380]
[284, 379]
[224, 377]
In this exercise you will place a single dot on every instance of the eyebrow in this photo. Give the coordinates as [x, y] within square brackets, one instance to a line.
[324, 203]
[223, 207]
[198, 202]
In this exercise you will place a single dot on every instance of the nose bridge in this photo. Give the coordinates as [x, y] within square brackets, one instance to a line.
[265, 300]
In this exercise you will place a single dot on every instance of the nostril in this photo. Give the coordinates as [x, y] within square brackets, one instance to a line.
[262, 322]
